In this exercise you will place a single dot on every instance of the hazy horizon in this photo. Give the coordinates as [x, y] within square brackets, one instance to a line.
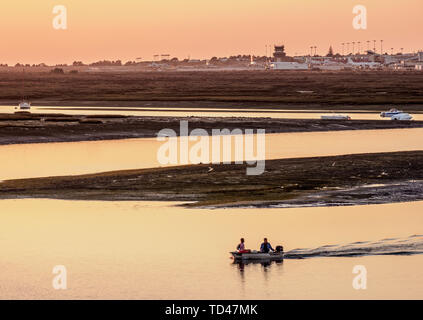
[127, 30]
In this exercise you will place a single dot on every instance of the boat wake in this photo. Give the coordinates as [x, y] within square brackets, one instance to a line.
[395, 246]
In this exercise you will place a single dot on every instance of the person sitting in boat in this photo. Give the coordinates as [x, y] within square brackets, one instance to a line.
[266, 246]
[241, 246]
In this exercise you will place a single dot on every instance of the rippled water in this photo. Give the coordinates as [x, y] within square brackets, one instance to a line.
[397, 246]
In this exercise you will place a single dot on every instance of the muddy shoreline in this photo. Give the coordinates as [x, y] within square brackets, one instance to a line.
[318, 181]
[41, 128]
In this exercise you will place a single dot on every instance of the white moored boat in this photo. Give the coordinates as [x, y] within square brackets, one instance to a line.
[25, 105]
[335, 117]
[390, 113]
[256, 255]
[402, 116]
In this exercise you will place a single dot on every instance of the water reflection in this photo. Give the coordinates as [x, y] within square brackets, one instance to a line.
[266, 264]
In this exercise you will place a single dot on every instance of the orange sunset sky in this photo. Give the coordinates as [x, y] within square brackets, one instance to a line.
[127, 29]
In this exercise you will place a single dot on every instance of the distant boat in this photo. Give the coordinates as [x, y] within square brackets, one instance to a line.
[25, 105]
[390, 113]
[402, 116]
[335, 117]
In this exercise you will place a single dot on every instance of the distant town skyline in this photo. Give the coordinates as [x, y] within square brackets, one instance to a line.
[127, 30]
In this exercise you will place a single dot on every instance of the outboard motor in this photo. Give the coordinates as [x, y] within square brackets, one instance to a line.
[279, 249]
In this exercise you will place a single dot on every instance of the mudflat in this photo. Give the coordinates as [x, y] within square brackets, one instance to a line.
[317, 181]
[38, 128]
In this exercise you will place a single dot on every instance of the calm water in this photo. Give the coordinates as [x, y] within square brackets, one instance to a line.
[48, 159]
[204, 112]
[145, 250]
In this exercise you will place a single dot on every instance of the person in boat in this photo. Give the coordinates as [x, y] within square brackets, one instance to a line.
[266, 246]
[241, 246]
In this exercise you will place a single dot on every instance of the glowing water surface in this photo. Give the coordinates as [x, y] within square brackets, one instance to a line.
[147, 250]
[69, 158]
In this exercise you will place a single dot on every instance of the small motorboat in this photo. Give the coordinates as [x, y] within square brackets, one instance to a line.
[402, 116]
[335, 117]
[257, 255]
[390, 113]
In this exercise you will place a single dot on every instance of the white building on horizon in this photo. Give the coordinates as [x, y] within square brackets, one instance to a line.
[285, 65]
